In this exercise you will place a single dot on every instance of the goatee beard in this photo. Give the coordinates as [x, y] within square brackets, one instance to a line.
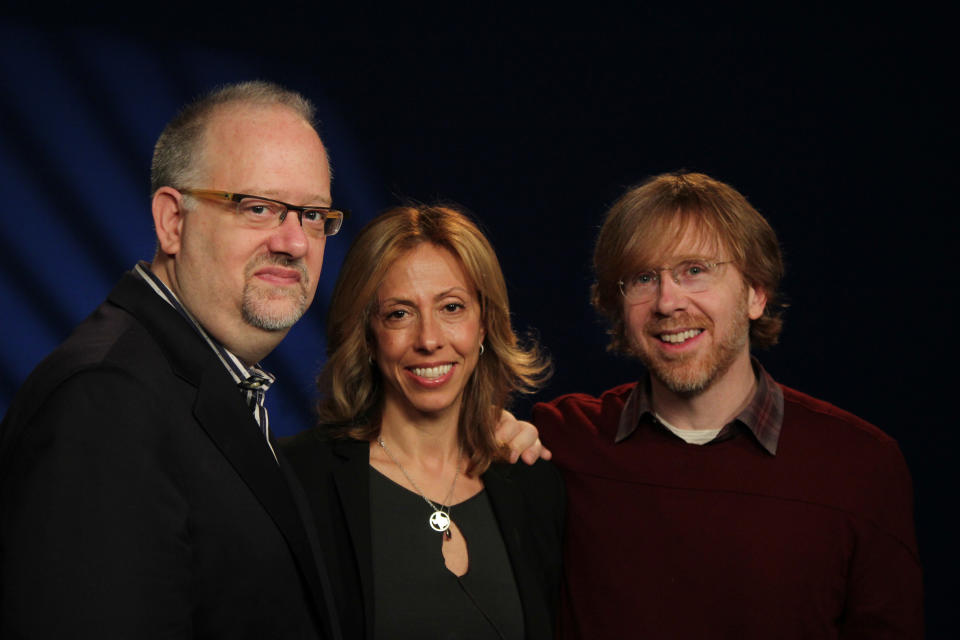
[260, 301]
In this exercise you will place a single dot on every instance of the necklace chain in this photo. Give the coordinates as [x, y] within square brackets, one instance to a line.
[439, 519]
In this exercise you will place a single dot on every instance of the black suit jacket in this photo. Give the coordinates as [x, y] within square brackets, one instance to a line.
[528, 503]
[139, 499]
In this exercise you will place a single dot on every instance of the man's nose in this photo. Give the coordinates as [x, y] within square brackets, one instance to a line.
[671, 296]
[289, 237]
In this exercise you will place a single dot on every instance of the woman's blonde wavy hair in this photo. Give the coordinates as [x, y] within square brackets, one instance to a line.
[350, 384]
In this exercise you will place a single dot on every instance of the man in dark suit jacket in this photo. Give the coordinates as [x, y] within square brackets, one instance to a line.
[141, 495]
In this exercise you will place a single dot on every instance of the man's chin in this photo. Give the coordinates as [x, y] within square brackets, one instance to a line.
[272, 319]
[271, 311]
[683, 382]
[683, 376]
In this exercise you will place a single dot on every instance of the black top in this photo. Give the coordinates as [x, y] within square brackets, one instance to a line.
[415, 595]
[527, 503]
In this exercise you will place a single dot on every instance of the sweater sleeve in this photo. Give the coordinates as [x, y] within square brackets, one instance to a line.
[885, 582]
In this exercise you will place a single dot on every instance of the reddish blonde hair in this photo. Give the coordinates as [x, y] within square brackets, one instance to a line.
[651, 219]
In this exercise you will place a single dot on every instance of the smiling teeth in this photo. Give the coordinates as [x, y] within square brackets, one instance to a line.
[432, 372]
[677, 338]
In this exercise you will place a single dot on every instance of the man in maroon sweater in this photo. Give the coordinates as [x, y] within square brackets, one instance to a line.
[706, 500]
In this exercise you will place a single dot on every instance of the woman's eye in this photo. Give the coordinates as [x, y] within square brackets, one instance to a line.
[453, 307]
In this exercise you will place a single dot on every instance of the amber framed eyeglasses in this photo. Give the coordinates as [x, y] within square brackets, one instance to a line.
[258, 212]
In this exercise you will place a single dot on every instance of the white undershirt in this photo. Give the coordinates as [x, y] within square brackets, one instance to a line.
[690, 436]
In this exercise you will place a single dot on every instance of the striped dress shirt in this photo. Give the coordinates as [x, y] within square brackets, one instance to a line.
[253, 382]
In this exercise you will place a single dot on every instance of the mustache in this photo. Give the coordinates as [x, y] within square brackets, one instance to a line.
[680, 321]
[279, 260]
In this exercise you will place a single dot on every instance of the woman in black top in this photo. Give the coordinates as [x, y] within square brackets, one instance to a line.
[425, 533]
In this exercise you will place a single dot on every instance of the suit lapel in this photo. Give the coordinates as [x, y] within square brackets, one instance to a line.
[221, 412]
[511, 518]
[227, 420]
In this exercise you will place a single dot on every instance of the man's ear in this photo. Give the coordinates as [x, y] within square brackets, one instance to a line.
[168, 213]
[756, 301]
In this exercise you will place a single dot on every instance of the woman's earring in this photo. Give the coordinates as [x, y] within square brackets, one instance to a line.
[481, 348]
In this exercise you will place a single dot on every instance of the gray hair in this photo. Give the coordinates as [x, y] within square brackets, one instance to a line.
[177, 152]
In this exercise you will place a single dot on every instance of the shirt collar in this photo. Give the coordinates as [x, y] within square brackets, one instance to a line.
[763, 416]
[248, 377]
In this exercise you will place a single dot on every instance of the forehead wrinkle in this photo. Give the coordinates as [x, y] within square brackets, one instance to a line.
[440, 296]
[395, 300]
[450, 291]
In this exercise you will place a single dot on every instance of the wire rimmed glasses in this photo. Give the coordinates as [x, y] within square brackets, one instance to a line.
[693, 276]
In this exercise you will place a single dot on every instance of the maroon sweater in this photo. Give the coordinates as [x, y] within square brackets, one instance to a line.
[671, 540]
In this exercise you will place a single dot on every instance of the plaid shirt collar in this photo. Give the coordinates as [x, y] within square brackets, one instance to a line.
[763, 416]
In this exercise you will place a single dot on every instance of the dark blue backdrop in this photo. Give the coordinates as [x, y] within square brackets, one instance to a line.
[837, 126]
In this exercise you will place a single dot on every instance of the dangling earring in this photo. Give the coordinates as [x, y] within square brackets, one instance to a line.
[481, 348]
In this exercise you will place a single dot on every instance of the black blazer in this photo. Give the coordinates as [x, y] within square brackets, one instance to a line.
[528, 503]
[138, 498]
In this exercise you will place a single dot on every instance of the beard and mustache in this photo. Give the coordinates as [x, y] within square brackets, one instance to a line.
[692, 373]
[274, 308]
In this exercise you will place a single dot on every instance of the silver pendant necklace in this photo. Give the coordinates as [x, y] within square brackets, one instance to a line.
[439, 520]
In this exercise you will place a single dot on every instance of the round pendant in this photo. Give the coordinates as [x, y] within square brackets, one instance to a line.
[439, 521]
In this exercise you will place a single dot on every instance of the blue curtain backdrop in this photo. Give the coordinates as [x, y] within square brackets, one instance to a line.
[837, 126]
